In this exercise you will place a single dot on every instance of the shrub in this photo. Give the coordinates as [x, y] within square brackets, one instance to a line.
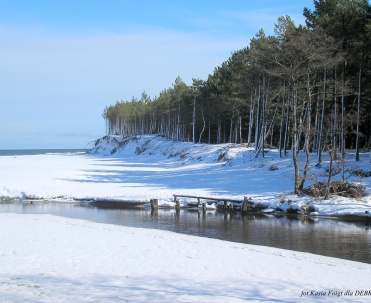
[360, 173]
[273, 167]
[339, 188]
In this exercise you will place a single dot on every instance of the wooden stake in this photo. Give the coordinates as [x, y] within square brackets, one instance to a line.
[154, 204]
[367, 217]
[244, 205]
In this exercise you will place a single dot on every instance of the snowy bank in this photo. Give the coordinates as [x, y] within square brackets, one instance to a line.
[151, 167]
[268, 180]
[45, 258]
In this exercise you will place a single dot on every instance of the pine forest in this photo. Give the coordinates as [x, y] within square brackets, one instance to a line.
[304, 89]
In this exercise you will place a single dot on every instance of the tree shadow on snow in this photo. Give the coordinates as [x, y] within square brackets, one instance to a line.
[172, 175]
[98, 288]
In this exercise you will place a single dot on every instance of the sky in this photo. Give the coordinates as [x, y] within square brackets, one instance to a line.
[63, 62]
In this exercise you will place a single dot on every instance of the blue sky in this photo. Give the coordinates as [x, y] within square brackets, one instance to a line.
[63, 61]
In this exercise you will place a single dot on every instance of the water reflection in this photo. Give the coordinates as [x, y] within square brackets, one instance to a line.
[319, 236]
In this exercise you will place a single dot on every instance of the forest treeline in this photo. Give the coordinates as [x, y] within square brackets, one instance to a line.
[306, 87]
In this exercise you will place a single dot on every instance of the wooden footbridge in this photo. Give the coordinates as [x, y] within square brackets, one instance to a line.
[200, 202]
[228, 204]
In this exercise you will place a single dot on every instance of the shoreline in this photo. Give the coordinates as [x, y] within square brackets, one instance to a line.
[73, 260]
[154, 168]
[115, 204]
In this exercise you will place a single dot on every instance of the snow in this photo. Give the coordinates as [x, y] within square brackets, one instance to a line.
[151, 167]
[46, 258]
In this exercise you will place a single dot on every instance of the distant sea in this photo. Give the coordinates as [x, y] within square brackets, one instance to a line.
[24, 152]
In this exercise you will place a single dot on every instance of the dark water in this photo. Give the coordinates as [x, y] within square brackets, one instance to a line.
[23, 152]
[326, 237]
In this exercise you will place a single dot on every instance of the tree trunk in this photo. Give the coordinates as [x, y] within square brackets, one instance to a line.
[240, 127]
[204, 125]
[358, 112]
[295, 145]
[257, 130]
[194, 120]
[327, 193]
[281, 123]
[342, 119]
[319, 145]
[334, 144]
[219, 133]
[307, 138]
[286, 127]
[251, 120]
[209, 135]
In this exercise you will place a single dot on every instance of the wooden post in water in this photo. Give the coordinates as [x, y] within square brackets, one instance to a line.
[177, 205]
[154, 204]
[204, 207]
[225, 205]
[367, 216]
[198, 202]
[244, 205]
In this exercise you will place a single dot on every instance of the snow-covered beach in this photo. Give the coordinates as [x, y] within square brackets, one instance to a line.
[53, 259]
[152, 167]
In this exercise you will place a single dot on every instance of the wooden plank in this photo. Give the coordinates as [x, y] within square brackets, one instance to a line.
[206, 198]
[118, 204]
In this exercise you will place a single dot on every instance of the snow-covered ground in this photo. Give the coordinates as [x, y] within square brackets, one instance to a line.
[47, 258]
[53, 259]
[152, 167]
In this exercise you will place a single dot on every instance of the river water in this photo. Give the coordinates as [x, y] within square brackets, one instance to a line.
[326, 237]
